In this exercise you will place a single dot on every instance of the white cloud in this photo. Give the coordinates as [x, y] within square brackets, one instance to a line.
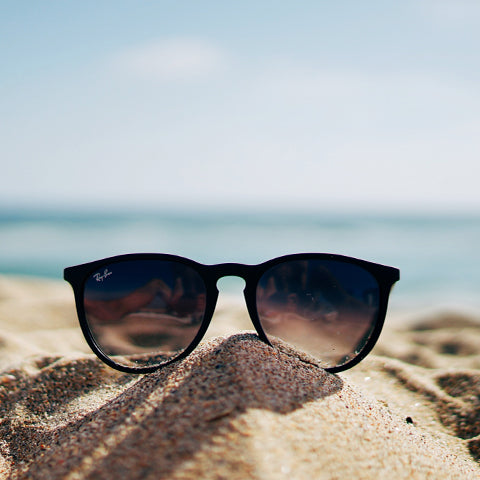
[291, 132]
[175, 59]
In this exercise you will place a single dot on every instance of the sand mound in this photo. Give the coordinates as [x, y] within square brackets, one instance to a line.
[235, 408]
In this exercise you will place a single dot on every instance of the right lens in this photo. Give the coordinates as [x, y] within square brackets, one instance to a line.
[144, 312]
[326, 308]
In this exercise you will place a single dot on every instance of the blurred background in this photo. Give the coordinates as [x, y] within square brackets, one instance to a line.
[241, 131]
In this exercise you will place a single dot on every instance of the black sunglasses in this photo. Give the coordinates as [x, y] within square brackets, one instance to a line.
[139, 312]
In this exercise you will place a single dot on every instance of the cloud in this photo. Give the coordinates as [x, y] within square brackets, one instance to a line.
[174, 59]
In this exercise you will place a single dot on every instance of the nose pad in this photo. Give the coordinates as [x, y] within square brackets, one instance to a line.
[231, 315]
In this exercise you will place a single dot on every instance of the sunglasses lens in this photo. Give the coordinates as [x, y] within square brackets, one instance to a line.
[326, 308]
[144, 312]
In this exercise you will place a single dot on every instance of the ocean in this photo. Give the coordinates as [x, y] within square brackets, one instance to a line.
[438, 255]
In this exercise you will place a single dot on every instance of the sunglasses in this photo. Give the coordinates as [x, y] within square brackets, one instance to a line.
[140, 312]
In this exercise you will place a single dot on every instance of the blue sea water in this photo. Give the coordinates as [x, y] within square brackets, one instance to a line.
[438, 255]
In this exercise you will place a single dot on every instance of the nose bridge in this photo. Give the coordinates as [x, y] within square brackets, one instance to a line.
[231, 270]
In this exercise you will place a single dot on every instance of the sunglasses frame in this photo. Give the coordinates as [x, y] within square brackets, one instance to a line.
[210, 274]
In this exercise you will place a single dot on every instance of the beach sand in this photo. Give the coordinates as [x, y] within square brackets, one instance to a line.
[235, 408]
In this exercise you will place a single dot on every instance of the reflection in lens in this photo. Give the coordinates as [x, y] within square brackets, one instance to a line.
[326, 308]
[144, 312]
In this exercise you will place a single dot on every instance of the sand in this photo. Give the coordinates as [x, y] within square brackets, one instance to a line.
[235, 408]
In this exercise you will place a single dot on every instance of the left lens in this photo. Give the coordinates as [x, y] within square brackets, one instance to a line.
[326, 308]
[145, 312]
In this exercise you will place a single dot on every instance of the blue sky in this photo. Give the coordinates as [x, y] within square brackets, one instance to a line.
[314, 104]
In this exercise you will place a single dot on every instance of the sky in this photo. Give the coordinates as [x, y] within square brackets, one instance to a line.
[252, 104]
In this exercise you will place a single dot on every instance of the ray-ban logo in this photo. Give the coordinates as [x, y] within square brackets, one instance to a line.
[100, 277]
